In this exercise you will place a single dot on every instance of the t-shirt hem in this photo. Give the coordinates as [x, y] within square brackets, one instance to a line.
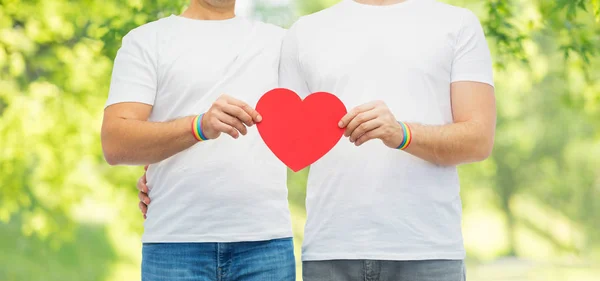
[215, 238]
[113, 102]
[383, 256]
[473, 78]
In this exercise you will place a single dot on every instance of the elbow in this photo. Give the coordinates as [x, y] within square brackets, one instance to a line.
[483, 149]
[110, 150]
[110, 155]
[111, 158]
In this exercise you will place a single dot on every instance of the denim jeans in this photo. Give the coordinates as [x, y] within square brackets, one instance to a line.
[380, 270]
[271, 260]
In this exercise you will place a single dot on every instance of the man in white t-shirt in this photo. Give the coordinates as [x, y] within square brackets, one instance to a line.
[417, 75]
[219, 204]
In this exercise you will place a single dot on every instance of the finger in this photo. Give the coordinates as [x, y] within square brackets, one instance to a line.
[373, 134]
[355, 111]
[144, 198]
[364, 128]
[248, 109]
[233, 122]
[141, 184]
[239, 113]
[227, 129]
[146, 167]
[358, 120]
[143, 209]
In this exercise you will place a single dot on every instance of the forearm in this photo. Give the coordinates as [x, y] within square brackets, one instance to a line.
[135, 142]
[452, 144]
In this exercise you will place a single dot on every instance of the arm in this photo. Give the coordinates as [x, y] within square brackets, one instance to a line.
[128, 138]
[469, 138]
[471, 135]
[127, 135]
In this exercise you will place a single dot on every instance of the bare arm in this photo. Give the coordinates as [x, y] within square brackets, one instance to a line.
[129, 139]
[469, 138]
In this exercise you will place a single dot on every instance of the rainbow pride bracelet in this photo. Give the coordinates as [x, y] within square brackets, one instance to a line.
[407, 136]
[197, 128]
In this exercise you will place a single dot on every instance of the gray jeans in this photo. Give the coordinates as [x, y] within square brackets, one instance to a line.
[378, 270]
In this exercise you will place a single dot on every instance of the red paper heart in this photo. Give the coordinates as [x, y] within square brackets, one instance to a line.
[300, 132]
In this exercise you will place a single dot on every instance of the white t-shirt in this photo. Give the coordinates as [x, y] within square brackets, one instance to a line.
[222, 190]
[373, 202]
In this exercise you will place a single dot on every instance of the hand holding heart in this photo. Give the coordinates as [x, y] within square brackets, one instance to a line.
[230, 116]
[299, 132]
[372, 120]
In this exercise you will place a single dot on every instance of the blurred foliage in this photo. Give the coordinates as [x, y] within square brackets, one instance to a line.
[66, 215]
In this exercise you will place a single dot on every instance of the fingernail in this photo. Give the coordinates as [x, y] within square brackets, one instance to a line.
[341, 124]
[258, 118]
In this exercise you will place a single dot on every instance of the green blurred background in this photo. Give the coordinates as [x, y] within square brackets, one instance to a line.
[531, 211]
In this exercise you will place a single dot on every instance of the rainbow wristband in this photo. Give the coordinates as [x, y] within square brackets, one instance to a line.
[407, 136]
[197, 128]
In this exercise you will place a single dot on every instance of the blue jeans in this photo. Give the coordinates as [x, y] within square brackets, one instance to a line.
[271, 260]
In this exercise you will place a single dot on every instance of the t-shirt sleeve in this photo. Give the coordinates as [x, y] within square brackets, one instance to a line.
[291, 75]
[134, 77]
[472, 59]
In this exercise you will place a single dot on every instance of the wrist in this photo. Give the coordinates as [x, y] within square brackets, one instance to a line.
[196, 128]
[406, 136]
